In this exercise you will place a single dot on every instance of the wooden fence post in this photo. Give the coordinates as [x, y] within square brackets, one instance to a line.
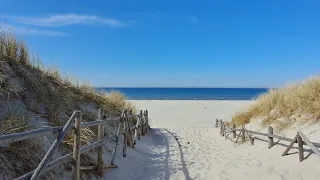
[243, 137]
[223, 129]
[137, 131]
[300, 147]
[129, 134]
[252, 141]
[270, 139]
[100, 162]
[234, 135]
[147, 122]
[76, 148]
[125, 129]
[141, 123]
[144, 122]
[117, 139]
[310, 144]
[251, 138]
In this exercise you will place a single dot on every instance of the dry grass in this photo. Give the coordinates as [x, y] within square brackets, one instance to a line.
[9, 86]
[13, 121]
[14, 51]
[87, 135]
[241, 118]
[21, 157]
[24, 77]
[114, 102]
[297, 99]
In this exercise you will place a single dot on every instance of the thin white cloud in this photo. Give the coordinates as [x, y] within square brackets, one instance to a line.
[193, 19]
[64, 20]
[28, 31]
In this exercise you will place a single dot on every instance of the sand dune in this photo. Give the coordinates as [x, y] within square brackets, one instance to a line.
[184, 144]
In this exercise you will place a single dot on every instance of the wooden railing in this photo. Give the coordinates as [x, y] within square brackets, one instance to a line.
[75, 121]
[244, 134]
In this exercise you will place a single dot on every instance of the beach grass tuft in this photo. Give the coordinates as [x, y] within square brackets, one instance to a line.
[301, 99]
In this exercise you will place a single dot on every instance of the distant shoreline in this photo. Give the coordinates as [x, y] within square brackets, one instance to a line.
[223, 94]
[183, 88]
[187, 101]
[191, 99]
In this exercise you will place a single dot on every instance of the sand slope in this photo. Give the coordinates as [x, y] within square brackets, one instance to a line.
[184, 144]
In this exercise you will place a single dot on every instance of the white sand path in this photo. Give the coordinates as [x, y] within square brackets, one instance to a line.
[184, 144]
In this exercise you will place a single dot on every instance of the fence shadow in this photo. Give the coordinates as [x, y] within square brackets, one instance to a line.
[310, 152]
[162, 165]
[154, 157]
[183, 162]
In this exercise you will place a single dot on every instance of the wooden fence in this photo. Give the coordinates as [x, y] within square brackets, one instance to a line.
[141, 128]
[245, 134]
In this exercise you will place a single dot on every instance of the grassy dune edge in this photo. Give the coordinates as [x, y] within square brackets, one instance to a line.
[297, 103]
[33, 96]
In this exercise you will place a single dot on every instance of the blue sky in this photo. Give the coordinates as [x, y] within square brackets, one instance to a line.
[219, 43]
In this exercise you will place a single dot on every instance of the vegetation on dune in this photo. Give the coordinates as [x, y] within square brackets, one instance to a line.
[45, 94]
[294, 103]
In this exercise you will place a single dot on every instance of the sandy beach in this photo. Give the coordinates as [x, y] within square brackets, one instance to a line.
[184, 144]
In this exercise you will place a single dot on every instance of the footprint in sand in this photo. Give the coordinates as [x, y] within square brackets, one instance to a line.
[259, 164]
[223, 175]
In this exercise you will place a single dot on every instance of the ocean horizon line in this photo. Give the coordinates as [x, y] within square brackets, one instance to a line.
[188, 87]
[189, 93]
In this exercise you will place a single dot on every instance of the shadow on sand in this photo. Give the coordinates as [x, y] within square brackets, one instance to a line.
[162, 164]
[157, 156]
[310, 152]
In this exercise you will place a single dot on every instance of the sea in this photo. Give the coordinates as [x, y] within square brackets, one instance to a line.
[189, 93]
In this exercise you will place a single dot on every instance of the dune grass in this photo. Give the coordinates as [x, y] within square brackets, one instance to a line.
[21, 157]
[14, 121]
[45, 92]
[293, 103]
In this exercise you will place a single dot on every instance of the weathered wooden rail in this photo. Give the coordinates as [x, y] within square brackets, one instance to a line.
[75, 122]
[244, 134]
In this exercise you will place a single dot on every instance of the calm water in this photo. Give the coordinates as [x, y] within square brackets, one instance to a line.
[189, 93]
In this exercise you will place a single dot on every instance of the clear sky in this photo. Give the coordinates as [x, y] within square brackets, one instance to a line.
[176, 43]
